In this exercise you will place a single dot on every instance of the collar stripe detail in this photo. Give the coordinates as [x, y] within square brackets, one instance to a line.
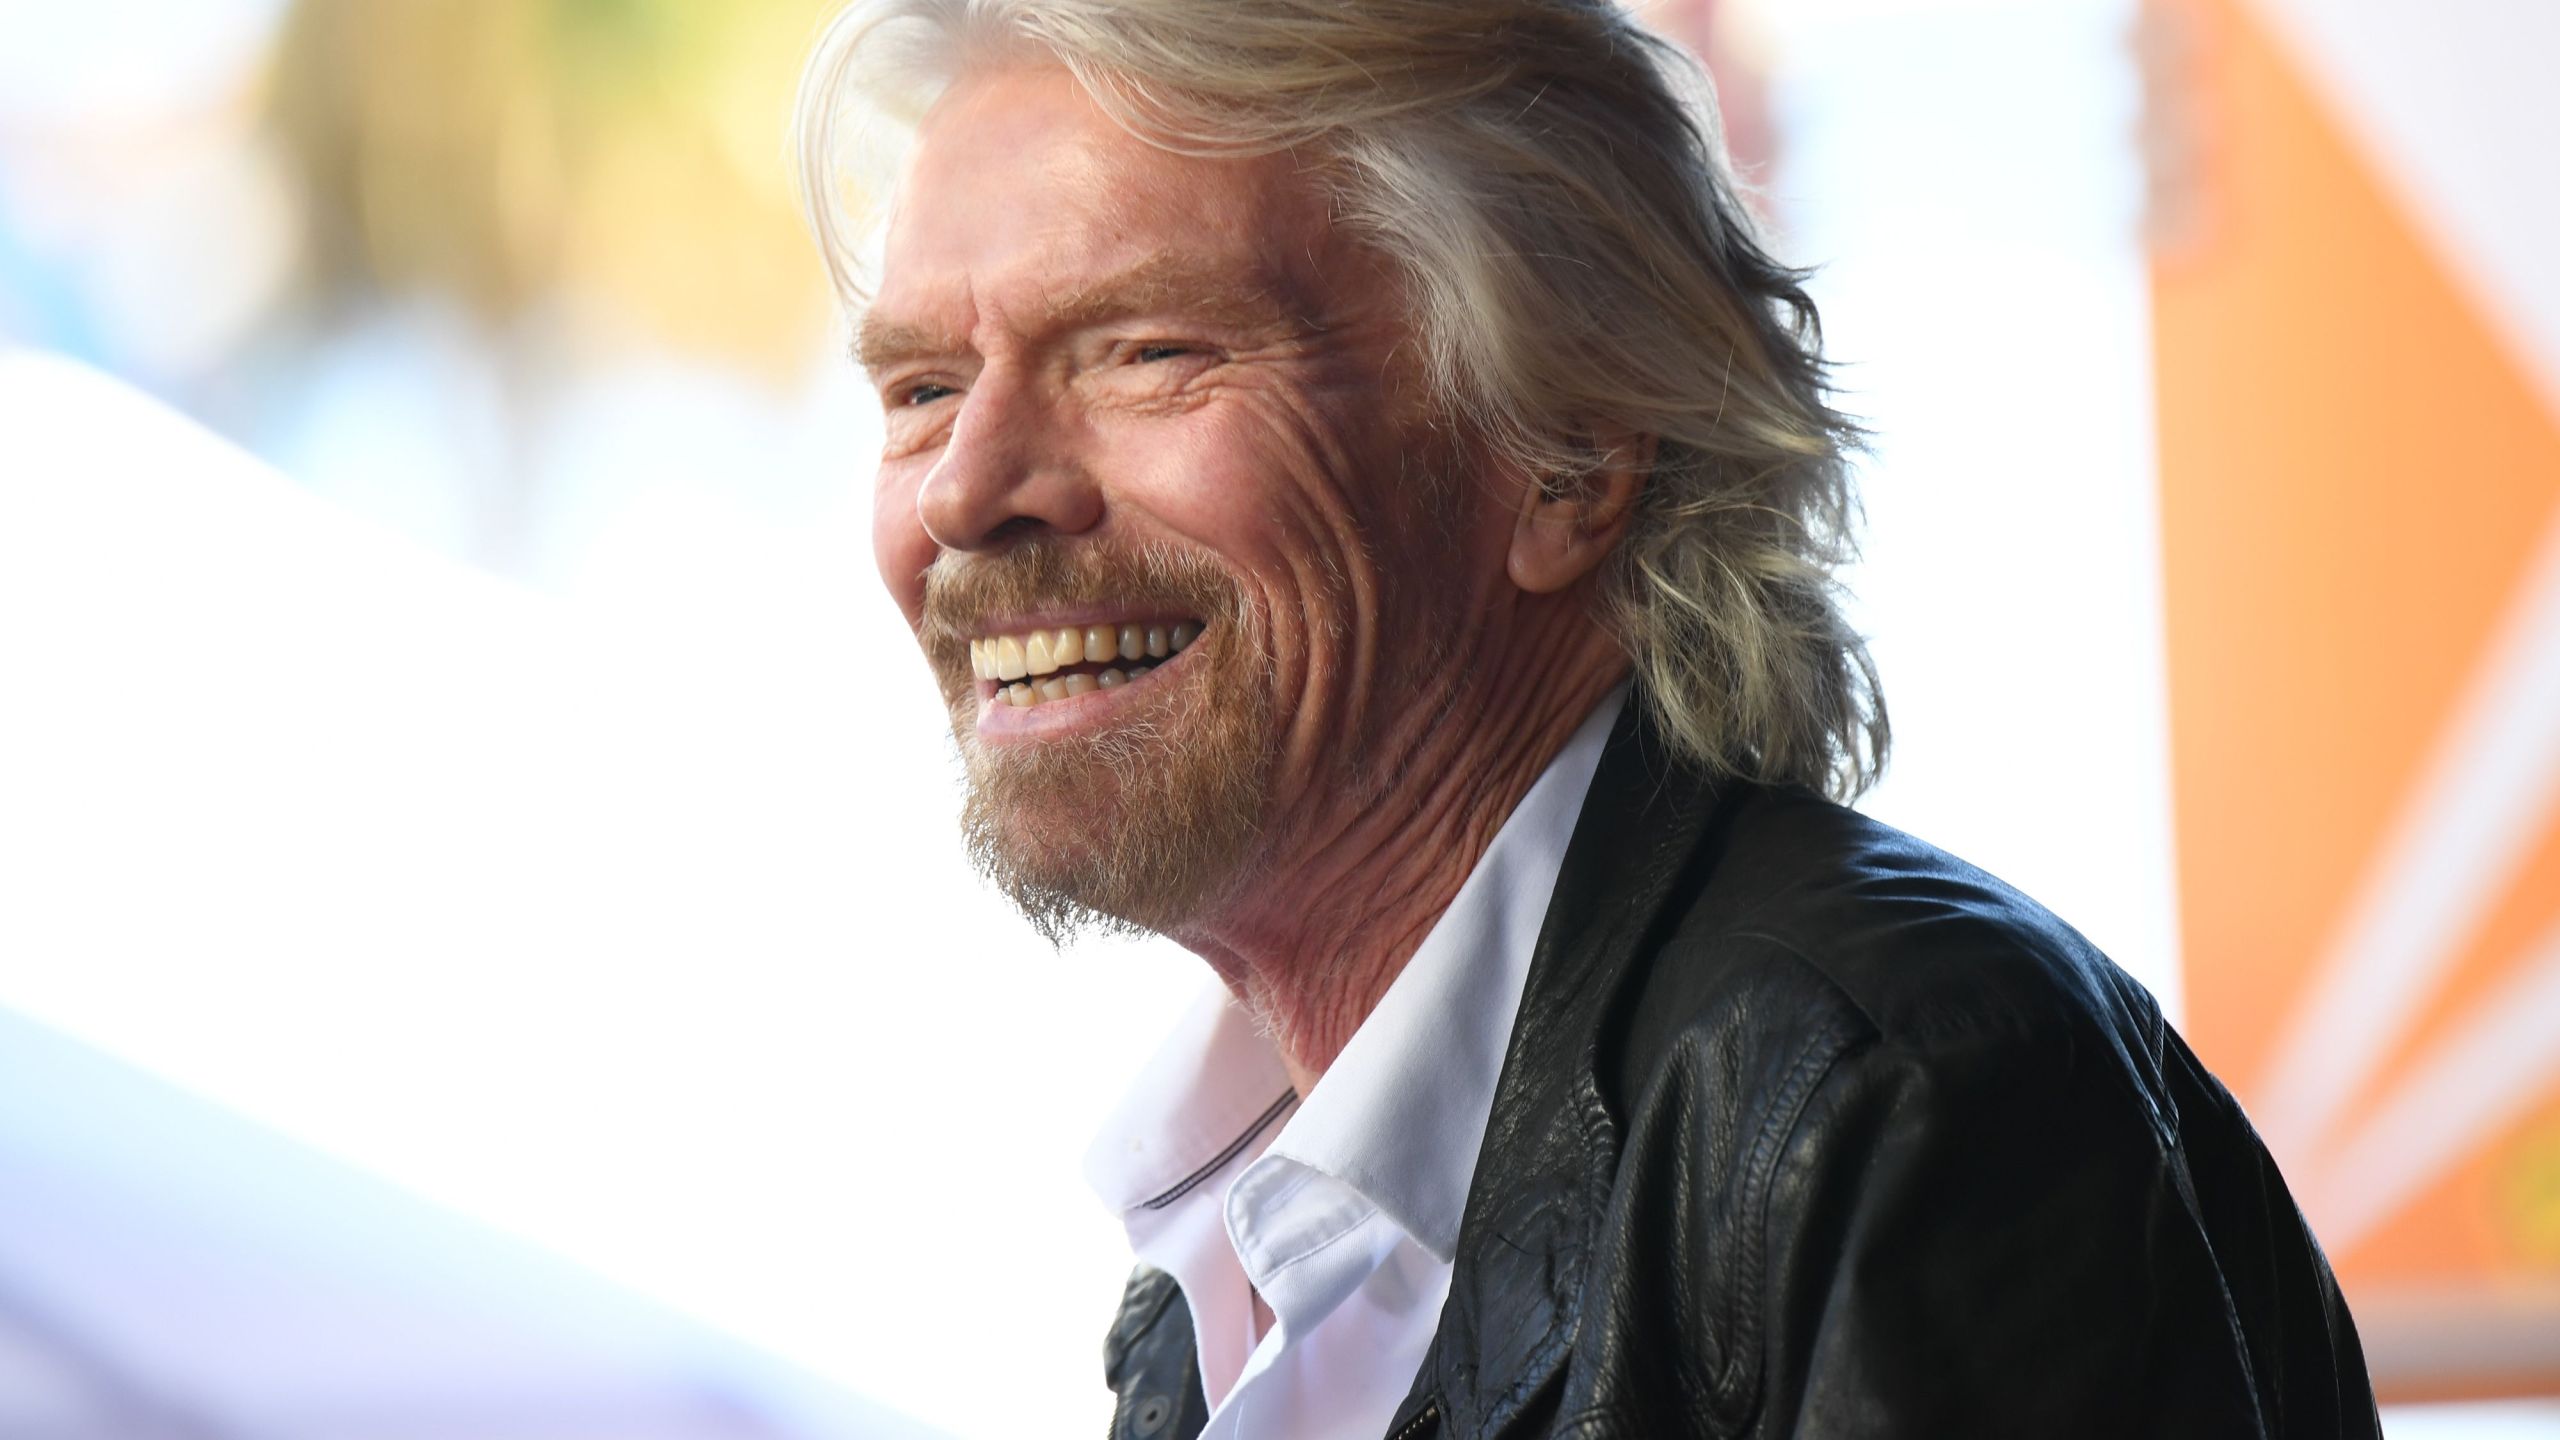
[1218, 1161]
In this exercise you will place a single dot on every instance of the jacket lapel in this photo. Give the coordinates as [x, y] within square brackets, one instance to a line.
[1550, 1151]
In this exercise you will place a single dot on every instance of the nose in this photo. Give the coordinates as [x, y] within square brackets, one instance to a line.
[1008, 470]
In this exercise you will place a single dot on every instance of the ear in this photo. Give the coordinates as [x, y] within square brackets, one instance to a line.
[1565, 528]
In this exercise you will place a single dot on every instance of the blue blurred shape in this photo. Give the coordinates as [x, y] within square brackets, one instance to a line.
[170, 1269]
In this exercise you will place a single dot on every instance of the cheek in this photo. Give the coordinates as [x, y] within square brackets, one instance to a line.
[1259, 486]
[899, 545]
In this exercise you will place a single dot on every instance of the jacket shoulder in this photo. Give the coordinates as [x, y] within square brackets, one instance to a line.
[1806, 927]
[1898, 1142]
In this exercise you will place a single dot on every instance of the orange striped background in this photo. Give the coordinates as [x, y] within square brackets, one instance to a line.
[2356, 480]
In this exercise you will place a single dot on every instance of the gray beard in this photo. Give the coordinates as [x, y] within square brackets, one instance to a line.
[1143, 826]
[1165, 817]
[1135, 830]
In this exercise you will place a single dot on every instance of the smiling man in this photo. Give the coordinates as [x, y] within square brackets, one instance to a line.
[1369, 503]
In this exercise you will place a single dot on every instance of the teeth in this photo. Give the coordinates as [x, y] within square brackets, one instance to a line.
[1017, 663]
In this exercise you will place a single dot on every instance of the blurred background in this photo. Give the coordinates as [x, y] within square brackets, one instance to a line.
[484, 949]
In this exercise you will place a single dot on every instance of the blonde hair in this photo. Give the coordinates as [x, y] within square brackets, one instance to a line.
[1550, 179]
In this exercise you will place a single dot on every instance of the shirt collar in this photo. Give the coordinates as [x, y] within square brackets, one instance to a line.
[1212, 1089]
[1401, 1113]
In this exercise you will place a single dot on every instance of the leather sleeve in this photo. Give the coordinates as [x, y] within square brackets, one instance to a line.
[1996, 1233]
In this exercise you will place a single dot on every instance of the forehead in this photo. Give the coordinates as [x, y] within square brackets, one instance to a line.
[1021, 191]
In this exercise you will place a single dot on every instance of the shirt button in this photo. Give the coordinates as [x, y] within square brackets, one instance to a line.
[1149, 1416]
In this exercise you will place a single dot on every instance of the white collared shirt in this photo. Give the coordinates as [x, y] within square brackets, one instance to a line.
[1342, 1210]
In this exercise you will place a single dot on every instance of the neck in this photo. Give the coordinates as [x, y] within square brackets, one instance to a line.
[1325, 926]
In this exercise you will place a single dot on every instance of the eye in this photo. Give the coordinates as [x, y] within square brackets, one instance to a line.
[1156, 350]
[924, 394]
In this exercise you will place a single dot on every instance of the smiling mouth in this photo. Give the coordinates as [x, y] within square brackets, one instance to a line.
[1039, 666]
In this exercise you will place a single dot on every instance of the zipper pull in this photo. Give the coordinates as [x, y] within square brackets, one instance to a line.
[1424, 1419]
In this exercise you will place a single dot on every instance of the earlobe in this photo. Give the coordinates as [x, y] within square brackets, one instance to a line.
[1567, 526]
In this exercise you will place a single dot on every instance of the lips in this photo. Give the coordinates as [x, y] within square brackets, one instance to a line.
[1035, 667]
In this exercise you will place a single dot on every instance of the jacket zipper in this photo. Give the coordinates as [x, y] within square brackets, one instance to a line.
[1429, 1412]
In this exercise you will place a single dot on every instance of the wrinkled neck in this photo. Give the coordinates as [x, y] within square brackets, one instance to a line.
[1317, 933]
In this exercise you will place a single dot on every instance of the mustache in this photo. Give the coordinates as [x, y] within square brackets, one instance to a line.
[964, 592]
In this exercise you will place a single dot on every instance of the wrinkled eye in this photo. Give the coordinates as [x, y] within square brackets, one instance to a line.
[926, 394]
[1161, 350]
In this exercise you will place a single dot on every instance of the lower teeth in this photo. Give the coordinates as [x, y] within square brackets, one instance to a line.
[1023, 694]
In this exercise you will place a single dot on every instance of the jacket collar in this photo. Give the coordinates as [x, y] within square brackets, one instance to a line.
[1550, 1152]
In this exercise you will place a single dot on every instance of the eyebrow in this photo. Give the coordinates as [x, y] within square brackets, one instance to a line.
[1164, 283]
[879, 344]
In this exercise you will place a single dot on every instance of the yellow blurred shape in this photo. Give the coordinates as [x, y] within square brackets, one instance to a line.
[624, 160]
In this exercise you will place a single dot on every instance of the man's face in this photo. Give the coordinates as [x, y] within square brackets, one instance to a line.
[1140, 397]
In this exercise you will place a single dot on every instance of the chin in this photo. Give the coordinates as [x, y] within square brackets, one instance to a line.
[1126, 832]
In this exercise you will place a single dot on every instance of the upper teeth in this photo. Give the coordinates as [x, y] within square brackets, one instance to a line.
[1043, 652]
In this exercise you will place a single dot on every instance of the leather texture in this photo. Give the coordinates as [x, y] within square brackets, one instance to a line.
[1810, 1129]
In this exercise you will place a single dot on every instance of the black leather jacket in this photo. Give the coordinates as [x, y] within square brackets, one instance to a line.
[1809, 1129]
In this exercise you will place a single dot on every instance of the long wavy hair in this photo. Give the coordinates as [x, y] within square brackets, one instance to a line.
[1550, 178]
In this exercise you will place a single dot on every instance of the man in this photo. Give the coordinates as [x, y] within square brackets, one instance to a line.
[1369, 502]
